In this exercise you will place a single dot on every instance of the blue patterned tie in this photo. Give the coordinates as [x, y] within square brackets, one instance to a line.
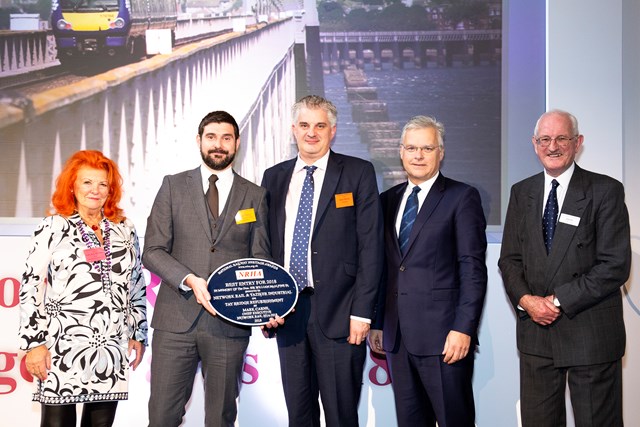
[550, 216]
[408, 218]
[301, 231]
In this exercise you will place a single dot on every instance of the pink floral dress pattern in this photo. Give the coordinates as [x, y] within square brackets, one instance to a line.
[85, 325]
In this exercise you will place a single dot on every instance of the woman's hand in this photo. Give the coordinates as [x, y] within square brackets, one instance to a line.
[139, 348]
[38, 362]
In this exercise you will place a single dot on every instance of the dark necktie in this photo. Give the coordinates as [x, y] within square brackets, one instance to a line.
[408, 218]
[212, 196]
[550, 216]
[301, 231]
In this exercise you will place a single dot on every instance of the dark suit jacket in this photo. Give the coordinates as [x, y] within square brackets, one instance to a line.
[179, 241]
[346, 242]
[585, 269]
[440, 283]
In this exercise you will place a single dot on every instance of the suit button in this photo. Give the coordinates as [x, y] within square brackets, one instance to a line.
[402, 268]
[576, 275]
[579, 245]
[213, 249]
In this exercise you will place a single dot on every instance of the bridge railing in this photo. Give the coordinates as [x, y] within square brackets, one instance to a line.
[408, 36]
[189, 26]
[26, 51]
[22, 51]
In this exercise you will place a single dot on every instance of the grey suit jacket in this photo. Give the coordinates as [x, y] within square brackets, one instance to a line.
[179, 241]
[585, 269]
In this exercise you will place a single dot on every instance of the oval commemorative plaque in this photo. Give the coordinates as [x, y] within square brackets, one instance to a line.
[249, 291]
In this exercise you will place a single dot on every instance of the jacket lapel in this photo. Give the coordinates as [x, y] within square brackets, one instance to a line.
[534, 216]
[194, 188]
[435, 195]
[278, 199]
[575, 202]
[234, 203]
[331, 179]
[391, 215]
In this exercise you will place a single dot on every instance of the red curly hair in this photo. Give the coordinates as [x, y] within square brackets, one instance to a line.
[63, 199]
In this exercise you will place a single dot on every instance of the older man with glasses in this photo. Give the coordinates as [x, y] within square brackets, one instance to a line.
[566, 252]
[435, 284]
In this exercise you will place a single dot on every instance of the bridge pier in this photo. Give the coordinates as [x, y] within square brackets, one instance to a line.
[422, 48]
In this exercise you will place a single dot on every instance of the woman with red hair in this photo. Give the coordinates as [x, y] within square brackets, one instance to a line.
[82, 297]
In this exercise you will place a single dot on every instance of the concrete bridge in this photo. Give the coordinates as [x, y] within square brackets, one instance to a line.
[145, 117]
[424, 48]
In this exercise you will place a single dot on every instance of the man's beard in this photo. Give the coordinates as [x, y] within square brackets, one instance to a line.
[217, 164]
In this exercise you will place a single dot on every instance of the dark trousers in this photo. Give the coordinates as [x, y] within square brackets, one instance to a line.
[174, 365]
[96, 414]
[427, 390]
[313, 364]
[595, 390]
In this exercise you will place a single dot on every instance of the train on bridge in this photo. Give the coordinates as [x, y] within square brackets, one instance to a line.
[108, 27]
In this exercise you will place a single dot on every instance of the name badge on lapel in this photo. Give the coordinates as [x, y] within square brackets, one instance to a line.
[245, 216]
[344, 200]
[569, 219]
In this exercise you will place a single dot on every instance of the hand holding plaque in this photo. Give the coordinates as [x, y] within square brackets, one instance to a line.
[250, 291]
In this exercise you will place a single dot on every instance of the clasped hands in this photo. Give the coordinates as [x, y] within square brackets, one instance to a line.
[542, 310]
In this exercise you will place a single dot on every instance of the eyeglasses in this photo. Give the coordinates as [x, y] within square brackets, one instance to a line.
[428, 149]
[561, 140]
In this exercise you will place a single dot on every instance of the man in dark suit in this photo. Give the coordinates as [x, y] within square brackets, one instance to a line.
[435, 280]
[337, 263]
[200, 220]
[566, 252]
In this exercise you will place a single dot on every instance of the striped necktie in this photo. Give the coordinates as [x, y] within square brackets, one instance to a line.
[408, 218]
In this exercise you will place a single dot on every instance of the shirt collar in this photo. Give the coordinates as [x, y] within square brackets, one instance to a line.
[563, 179]
[223, 176]
[321, 163]
[426, 185]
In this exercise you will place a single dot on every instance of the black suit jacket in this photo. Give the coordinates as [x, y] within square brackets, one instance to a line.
[346, 242]
[585, 269]
[439, 284]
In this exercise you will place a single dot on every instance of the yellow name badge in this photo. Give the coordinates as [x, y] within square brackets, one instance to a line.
[246, 215]
[344, 200]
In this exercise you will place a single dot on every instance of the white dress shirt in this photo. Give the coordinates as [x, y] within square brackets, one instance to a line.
[223, 184]
[563, 183]
[425, 187]
[291, 206]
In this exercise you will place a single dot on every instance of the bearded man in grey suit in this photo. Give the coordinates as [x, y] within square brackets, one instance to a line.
[200, 220]
[566, 252]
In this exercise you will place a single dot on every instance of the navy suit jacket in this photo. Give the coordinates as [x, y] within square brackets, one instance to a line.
[440, 283]
[346, 242]
[589, 261]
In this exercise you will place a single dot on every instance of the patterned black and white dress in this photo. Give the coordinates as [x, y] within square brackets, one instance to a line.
[84, 311]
